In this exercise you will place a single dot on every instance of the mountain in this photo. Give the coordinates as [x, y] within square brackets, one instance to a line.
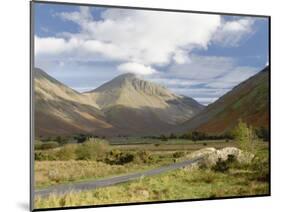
[59, 110]
[126, 105]
[248, 101]
[142, 99]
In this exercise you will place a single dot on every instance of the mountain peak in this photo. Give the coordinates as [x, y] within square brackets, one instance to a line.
[129, 82]
[127, 76]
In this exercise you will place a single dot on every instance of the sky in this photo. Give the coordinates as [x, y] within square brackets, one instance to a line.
[202, 56]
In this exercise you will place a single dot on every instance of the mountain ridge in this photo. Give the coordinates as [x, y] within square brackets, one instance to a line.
[124, 105]
[248, 101]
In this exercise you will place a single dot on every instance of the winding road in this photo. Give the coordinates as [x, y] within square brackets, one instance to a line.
[81, 186]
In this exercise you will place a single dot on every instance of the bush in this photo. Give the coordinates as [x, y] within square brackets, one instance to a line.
[119, 158]
[186, 136]
[245, 136]
[261, 169]
[37, 145]
[80, 138]
[91, 150]
[40, 156]
[178, 154]
[172, 136]
[60, 140]
[67, 152]
[262, 133]
[144, 156]
[195, 136]
[221, 166]
[163, 138]
[47, 145]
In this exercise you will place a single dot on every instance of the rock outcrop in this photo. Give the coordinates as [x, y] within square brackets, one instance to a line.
[210, 156]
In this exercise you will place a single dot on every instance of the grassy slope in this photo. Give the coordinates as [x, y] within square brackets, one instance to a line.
[248, 101]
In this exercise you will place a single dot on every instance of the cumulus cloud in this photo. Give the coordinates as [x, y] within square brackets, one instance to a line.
[136, 68]
[230, 33]
[134, 36]
[158, 45]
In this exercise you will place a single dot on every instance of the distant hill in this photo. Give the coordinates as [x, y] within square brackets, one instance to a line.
[248, 101]
[126, 105]
[59, 110]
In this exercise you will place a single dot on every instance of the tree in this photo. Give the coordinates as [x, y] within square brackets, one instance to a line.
[262, 133]
[163, 138]
[172, 136]
[80, 138]
[91, 149]
[245, 136]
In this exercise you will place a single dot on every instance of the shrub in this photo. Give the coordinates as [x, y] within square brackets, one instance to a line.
[163, 138]
[144, 156]
[172, 136]
[261, 169]
[48, 145]
[119, 158]
[262, 133]
[245, 136]
[37, 145]
[66, 152]
[91, 150]
[43, 156]
[178, 154]
[80, 138]
[186, 136]
[61, 140]
[195, 136]
[221, 166]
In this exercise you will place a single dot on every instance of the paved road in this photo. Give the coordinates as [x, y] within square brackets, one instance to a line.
[80, 186]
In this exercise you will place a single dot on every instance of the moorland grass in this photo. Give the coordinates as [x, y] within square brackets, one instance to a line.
[174, 185]
[238, 180]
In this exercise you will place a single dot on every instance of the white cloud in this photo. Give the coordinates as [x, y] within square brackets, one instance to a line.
[49, 45]
[233, 77]
[230, 33]
[202, 67]
[136, 68]
[137, 36]
[133, 35]
[138, 41]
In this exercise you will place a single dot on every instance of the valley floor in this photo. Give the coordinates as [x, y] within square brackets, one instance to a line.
[184, 183]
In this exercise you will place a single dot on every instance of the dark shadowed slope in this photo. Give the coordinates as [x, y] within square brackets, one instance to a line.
[248, 101]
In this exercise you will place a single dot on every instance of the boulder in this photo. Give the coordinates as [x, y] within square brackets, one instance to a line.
[211, 156]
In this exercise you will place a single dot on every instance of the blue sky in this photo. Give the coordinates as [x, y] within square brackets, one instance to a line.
[197, 55]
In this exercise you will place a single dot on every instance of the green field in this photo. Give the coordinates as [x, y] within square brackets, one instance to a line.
[65, 164]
